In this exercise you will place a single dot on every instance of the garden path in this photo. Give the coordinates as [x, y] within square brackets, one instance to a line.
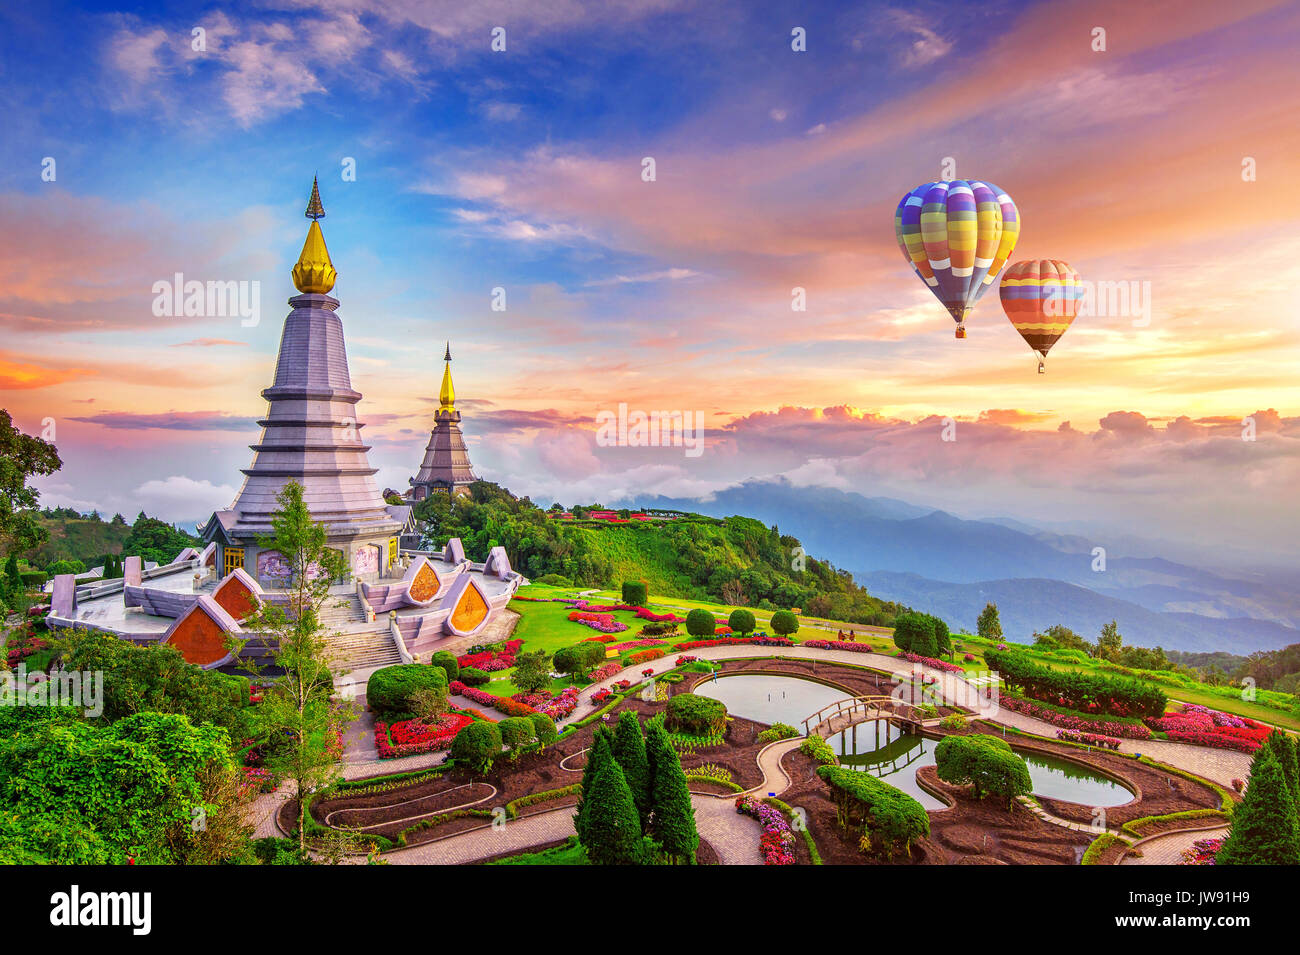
[1168, 849]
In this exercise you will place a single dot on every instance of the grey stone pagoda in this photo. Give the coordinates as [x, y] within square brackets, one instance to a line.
[446, 466]
[311, 434]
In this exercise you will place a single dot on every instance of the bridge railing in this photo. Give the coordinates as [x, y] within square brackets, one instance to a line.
[871, 707]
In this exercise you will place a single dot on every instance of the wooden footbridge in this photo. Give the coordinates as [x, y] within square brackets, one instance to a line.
[842, 714]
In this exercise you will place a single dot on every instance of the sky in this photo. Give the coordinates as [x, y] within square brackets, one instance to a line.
[1162, 152]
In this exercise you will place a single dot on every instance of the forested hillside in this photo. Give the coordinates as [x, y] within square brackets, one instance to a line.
[735, 560]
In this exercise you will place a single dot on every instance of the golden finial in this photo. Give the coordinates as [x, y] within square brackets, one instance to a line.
[314, 271]
[314, 208]
[447, 394]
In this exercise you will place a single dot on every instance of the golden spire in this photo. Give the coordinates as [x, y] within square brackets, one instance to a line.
[314, 271]
[447, 394]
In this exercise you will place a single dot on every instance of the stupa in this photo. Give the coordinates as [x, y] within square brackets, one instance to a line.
[446, 466]
[311, 434]
[397, 605]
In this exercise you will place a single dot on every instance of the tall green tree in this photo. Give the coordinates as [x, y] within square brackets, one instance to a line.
[630, 753]
[297, 712]
[672, 819]
[989, 626]
[22, 457]
[600, 755]
[532, 671]
[612, 833]
[1110, 642]
[1265, 829]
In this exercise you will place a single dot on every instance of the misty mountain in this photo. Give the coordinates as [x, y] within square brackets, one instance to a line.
[899, 549]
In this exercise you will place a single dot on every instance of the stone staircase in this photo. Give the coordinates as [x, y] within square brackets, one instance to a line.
[361, 649]
[342, 613]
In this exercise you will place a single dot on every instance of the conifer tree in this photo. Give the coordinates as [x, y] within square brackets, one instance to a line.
[612, 831]
[672, 820]
[629, 751]
[1265, 829]
[598, 757]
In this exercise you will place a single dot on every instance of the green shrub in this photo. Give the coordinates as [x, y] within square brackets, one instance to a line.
[817, 748]
[544, 729]
[446, 661]
[985, 763]
[635, 593]
[784, 623]
[887, 818]
[953, 721]
[777, 731]
[473, 676]
[555, 580]
[741, 621]
[516, 733]
[476, 746]
[700, 623]
[696, 715]
[389, 691]
[1079, 690]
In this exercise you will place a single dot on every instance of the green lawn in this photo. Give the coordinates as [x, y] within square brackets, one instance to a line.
[570, 853]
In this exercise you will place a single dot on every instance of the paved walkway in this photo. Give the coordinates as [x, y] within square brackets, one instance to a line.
[1168, 850]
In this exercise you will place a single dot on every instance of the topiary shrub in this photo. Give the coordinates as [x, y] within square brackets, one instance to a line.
[777, 731]
[389, 691]
[814, 747]
[473, 676]
[887, 818]
[635, 593]
[985, 763]
[784, 623]
[476, 746]
[516, 733]
[544, 729]
[700, 623]
[696, 715]
[741, 621]
[446, 661]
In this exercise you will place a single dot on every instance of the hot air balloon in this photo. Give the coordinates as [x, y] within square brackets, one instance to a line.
[1041, 297]
[957, 235]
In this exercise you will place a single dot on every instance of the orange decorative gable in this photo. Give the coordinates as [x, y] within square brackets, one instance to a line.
[470, 610]
[425, 584]
[235, 597]
[200, 639]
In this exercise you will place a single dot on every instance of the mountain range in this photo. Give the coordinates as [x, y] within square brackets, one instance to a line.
[950, 566]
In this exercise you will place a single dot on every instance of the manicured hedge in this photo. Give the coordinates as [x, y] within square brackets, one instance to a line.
[1087, 692]
[389, 690]
[985, 763]
[635, 592]
[696, 715]
[887, 818]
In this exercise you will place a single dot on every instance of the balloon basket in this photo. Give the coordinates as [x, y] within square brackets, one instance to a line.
[1041, 369]
[961, 331]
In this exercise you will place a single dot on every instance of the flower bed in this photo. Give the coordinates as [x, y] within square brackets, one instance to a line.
[501, 703]
[839, 645]
[1071, 722]
[933, 663]
[1091, 739]
[256, 778]
[645, 656]
[736, 642]
[491, 661]
[633, 644]
[558, 707]
[1202, 851]
[417, 736]
[776, 844]
[1206, 727]
[605, 671]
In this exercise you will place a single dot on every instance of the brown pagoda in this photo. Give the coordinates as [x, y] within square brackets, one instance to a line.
[446, 466]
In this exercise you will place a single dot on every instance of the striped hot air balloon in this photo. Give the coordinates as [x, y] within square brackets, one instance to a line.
[957, 235]
[1041, 297]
